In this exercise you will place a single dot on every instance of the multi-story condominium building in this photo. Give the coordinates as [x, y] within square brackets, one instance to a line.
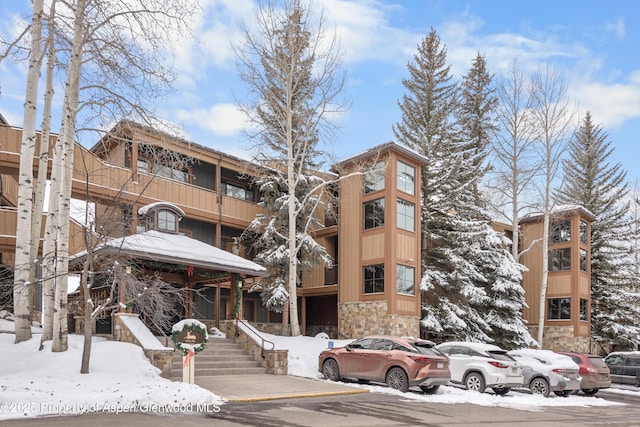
[137, 179]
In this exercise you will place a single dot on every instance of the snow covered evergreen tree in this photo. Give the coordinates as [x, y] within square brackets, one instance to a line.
[601, 188]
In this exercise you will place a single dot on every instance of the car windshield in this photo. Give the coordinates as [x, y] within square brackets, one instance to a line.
[500, 355]
[426, 348]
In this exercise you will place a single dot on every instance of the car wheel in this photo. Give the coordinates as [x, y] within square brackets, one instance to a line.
[590, 391]
[502, 391]
[397, 379]
[563, 393]
[539, 386]
[330, 370]
[429, 389]
[475, 382]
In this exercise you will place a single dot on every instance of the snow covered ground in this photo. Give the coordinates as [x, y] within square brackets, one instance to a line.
[37, 383]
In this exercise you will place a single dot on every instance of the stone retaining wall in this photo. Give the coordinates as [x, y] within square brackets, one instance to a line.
[562, 338]
[276, 361]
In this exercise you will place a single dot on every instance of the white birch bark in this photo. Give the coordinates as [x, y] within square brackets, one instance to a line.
[72, 91]
[21, 294]
[46, 272]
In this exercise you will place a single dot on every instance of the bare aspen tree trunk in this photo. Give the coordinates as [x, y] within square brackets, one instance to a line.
[72, 92]
[21, 297]
[293, 259]
[46, 272]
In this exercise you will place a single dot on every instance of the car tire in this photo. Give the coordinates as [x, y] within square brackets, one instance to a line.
[539, 386]
[562, 393]
[474, 382]
[429, 389]
[501, 391]
[331, 370]
[590, 391]
[397, 379]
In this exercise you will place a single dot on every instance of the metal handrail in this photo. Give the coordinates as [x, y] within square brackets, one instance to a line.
[250, 328]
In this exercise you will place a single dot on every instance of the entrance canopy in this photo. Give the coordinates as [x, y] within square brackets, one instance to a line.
[176, 249]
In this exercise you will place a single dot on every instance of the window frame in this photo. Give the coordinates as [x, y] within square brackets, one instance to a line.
[375, 218]
[406, 175]
[584, 309]
[560, 231]
[160, 221]
[562, 306]
[373, 283]
[407, 272]
[374, 178]
[563, 263]
[403, 219]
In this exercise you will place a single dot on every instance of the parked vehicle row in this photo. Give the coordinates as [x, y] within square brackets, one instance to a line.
[402, 363]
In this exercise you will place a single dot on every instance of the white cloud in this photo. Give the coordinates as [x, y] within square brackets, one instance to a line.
[617, 27]
[610, 104]
[222, 119]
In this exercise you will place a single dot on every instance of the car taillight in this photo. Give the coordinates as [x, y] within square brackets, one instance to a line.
[588, 370]
[563, 371]
[419, 359]
[498, 364]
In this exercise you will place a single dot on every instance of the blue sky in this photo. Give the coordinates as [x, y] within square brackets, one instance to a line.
[593, 43]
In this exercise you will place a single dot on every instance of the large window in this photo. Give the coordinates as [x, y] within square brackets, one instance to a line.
[373, 279]
[167, 221]
[584, 232]
[559, 308]
[406, 178]
[236, 191]
[584, 309]
[560, 259]
[560, 231]
[405, 282]
[406, 215]
[374, 178]
[583, 260]
[373, 214]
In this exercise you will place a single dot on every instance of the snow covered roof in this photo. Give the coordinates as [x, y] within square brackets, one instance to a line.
[560, 210]
[178, 249]
[157, 205]
[385, 147]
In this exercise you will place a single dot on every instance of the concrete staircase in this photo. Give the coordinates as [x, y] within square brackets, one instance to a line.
[221, 356]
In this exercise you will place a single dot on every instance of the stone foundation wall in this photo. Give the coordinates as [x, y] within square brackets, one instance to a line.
[332, 331]
[358, 319]
[161, 359]
[562, 338]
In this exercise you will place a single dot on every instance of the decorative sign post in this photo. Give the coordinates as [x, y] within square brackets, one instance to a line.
[189, 336]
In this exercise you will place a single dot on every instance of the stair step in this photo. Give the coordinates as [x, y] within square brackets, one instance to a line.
[177, 375]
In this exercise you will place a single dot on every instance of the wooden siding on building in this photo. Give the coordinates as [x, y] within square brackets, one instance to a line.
[349, 230]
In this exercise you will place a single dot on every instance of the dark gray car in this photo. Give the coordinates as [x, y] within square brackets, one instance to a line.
[624, 367]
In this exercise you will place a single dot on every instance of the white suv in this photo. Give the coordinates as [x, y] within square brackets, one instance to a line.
[478, 366]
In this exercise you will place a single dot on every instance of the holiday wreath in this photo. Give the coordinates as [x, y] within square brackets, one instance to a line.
[189, 336]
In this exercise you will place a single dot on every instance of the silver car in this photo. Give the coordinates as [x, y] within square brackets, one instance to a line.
[545, 371]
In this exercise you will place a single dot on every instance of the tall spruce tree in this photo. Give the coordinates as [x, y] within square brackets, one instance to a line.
[592, 182]
[499, 273]
[449, 282]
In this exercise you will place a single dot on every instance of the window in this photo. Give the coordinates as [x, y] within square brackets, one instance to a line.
[584, 232]
[171, 173]
[374, 214]
[236, 191]
[559, 308]
[583, 260]
[584, 309]
[405, 280]
[560, 231]
[374, 178]
[167, 221]
[373, 279]
[406, 219]
[406, 178]
[560, 259]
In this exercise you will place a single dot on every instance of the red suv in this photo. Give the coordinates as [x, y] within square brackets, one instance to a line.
[594, 372]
